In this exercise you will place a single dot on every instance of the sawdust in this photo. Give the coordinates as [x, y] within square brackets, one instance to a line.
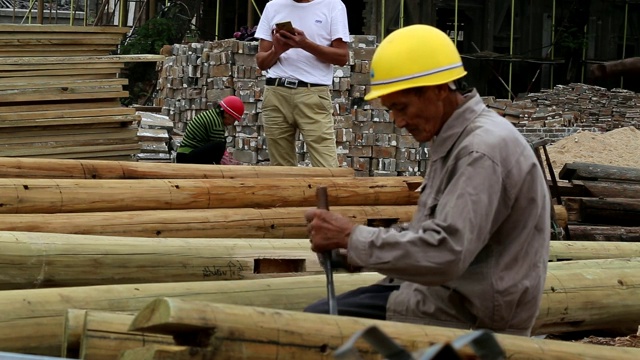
[620, 147]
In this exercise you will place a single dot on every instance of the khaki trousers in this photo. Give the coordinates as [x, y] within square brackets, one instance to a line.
[307, 109]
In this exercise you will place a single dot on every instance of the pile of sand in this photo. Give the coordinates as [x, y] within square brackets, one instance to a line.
[620, 147]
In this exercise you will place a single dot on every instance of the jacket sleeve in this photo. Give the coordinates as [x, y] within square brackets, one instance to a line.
[451, 230]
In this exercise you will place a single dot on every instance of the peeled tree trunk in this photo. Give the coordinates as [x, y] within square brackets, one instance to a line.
[12, 167]
[25, 196]
[240, 332]
[35, 260]
[578, 295]
[197, 223]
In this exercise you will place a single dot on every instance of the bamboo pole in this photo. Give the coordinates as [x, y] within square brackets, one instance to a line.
[197, 223]
[382, 19]
[243, 332]
[217, 18]
[36, 260]
[101, 169]
[28, 196]
[455, 23]
[32, 321]
[401, 25]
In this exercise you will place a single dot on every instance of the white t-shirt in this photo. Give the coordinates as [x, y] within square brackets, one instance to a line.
[322, 22]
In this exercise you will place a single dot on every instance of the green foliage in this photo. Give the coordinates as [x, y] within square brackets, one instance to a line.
[147, 39]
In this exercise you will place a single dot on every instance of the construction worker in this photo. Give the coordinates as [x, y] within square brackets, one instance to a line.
[204, 141]
[475, 254]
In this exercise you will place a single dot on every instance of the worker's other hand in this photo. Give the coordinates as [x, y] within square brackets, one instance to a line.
[296, 40]
[327, 230]
[597, 71]
[279, 44]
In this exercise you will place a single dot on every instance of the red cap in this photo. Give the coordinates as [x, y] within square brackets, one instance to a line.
[233, 106]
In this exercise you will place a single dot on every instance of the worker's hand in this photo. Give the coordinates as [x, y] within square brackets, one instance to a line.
[327, 230]
[279, 44]
[296, 40]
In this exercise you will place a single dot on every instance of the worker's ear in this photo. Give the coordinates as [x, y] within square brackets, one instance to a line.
[441, 91]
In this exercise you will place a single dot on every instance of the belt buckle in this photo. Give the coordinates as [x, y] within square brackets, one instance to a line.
[290, 83]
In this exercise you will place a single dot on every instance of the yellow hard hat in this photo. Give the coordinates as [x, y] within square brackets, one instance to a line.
[413, 56]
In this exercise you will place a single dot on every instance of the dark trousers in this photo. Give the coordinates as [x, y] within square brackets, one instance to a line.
[209, 154]
[365, 302]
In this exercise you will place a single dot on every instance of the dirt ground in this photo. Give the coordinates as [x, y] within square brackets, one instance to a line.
[620, 147]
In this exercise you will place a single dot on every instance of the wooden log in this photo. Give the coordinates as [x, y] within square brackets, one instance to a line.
[162, 352]
[88, 169]
[243, 332]
[589, 250]
[604, 233]
[610, 189]
[26, 196]
[105, 335]
[32, 320]
[622, 212]
[73, 326]
[197, 223]
[579, 295]
[37, 260]
[588, 171]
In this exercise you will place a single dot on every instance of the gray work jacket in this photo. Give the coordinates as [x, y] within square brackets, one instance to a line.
[475, 253]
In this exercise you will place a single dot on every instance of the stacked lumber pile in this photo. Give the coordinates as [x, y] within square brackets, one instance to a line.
[607, 204]
[60, 91]
[199, 74]
[91, 250]
[154, 134]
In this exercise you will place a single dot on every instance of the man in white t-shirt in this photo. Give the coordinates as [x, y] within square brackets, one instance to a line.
[299, 69]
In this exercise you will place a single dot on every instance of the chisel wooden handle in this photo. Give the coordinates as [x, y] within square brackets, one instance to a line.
[322, 198]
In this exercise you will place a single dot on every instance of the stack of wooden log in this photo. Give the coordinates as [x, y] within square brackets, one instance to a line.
[109, 260]
[603, 203]
[60, 93]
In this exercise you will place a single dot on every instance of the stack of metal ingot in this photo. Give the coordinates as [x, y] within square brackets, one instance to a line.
[200, 74]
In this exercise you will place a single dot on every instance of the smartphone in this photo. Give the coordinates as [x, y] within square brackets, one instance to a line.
[286, 26]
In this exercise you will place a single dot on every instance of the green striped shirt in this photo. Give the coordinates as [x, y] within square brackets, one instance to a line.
[205, 128]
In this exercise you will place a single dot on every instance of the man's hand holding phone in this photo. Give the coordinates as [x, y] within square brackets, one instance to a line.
[285, 26]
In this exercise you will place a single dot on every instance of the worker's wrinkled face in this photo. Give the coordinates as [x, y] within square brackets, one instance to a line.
[419, 110]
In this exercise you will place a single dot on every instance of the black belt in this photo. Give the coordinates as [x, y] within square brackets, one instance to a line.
[290, 83]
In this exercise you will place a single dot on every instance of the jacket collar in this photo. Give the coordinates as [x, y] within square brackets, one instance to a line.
[455, 125]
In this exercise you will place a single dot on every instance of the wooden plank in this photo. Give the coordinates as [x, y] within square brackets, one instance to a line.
[621, 212]
[23, 67]
[50, 75]
[70, 196]
[22, 36]
[604, 233]
[98, 155]
[72, 149]
[87, 111]
[12, 28]
[63, 95]
[73, 169]
[27, 83]
[56, 42]
[69, 137]
[61, 49]
[58, 106]
[165, 352]
[610, 189]
[587, 171]
[122, 120]
[31, 134]
[82, 59]
[19, 53]
[241, 332]
[17, 94]
[589, 250]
